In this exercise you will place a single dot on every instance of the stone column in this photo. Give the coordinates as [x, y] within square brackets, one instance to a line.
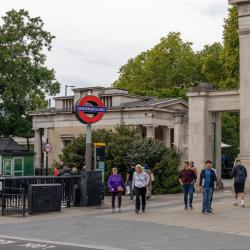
[199, 129]
[166, 137]
[150, 131]
[37, 149]
[244, 33]
[180, 135]
[217, 163]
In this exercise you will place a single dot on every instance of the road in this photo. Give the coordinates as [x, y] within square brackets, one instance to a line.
[164, 226]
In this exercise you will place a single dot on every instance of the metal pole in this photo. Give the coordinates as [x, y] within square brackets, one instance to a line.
[88, 155]
[47, 163]
[66, 87]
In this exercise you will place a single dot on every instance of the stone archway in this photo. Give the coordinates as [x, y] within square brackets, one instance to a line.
[205, 106]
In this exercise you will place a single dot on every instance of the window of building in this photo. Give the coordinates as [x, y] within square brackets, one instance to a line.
[107, 101]
[68, 104]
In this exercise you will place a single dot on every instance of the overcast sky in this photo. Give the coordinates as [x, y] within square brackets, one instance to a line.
[94, 38]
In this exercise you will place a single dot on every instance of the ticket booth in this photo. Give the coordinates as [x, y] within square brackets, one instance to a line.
[15, 159]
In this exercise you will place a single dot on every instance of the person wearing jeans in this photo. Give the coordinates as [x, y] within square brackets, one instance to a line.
[140, 182]
[129, 180]
[187, 177]
[207, 180]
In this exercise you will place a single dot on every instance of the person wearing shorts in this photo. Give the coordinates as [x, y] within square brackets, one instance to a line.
[239, 173]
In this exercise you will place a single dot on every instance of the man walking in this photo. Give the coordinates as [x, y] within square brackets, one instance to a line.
[129, 180]
[187, 177]
[207, 180]
[239, 173]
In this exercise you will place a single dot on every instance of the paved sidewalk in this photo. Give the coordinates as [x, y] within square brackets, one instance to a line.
[164, 226]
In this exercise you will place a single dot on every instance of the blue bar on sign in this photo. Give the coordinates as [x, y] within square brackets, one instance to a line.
[90, 109]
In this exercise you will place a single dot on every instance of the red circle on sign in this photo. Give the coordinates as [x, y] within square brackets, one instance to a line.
[95, 101]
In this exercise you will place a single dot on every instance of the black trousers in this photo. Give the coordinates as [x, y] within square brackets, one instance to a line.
[140, 195]
[113, 195]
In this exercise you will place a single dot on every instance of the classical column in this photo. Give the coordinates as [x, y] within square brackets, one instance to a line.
[37, 149]
[150, 131]
[199, 129]
[244, 33]
[217, 144]
[166, 137]
[180, 135]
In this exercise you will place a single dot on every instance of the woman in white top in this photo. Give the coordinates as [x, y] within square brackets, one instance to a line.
[140, 182]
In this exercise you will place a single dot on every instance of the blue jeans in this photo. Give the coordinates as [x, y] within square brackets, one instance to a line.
[188, 194]
[207, 195]
[131, 190]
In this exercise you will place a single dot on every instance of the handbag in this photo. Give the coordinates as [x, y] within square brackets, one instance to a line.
[128, 190]
[120, 189]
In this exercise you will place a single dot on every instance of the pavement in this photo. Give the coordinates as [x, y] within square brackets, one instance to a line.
[165, 225]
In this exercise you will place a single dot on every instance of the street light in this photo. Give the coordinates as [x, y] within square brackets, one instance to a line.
[66, 88]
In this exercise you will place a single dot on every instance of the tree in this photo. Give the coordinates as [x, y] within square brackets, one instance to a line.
[211, 65]
[24, 79]
[167, 69]
[230, 52]
[167, 173]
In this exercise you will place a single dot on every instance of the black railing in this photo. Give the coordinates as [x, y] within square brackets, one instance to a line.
[14, 191]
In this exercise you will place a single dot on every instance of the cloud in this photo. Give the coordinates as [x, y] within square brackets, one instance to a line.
[89, 58]
[215, 10]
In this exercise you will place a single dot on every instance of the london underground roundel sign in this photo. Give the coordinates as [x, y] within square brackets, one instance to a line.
[90, 109]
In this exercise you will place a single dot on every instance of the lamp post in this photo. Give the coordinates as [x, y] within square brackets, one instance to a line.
[66, 88]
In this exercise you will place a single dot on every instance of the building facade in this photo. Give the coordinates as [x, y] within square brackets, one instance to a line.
[164, 120]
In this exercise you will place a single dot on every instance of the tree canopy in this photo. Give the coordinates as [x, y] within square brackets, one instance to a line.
[24, 78]
[172, 66]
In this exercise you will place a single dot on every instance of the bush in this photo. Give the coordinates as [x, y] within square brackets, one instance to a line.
[124, 146]
[167, 173]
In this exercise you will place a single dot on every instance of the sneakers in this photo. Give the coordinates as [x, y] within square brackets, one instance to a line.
[186, 208]
[137, 211]
[113, 211]
[243, 205]
[191, 207]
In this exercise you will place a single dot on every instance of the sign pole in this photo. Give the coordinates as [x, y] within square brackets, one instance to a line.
[88, 155]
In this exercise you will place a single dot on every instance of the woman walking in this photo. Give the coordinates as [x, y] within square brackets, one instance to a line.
[140, 182]
[116, 187]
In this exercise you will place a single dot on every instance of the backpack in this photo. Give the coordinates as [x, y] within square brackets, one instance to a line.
[240, 175]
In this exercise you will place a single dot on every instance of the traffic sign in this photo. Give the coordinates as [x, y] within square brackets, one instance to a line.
[90, 105]
[47, 147]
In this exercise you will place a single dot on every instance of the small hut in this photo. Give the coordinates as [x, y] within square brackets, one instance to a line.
[15, 159]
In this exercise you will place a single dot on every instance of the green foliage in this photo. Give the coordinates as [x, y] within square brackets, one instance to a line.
[165, 70]
[24, 78]
[230, 52]
[123, 146]
[230, 134]
[145, 150]
[167, 172]
[74, 153]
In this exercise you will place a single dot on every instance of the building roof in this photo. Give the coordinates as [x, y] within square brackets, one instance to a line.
[153, 102]
[9, 147]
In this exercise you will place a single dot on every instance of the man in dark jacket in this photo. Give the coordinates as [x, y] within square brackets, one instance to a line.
[187, 177]
[239, 173]
[207, 180]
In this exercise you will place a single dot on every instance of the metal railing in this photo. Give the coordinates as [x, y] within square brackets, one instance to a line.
[14, 191]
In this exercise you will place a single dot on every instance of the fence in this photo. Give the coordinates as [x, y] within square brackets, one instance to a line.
[14, 191]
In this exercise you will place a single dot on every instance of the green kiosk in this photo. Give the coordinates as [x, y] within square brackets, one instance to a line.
[15, 159]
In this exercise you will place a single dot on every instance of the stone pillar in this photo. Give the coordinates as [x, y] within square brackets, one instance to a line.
[166, 137]
[244, 33]
[199, 129]
[217, 163]
[180, 135]
[150, 131]
[44, 140]
[37, 149]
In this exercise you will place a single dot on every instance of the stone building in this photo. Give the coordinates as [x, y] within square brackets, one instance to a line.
[164, 120]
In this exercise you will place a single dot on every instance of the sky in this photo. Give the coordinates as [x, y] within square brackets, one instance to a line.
[94, 38]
